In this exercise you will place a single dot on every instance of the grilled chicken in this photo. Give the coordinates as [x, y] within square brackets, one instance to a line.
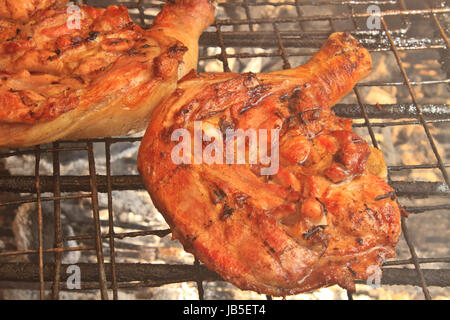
[92, 72]
[325, 217]
[22, 10]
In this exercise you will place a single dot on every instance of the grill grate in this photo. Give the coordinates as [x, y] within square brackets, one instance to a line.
[282, 38]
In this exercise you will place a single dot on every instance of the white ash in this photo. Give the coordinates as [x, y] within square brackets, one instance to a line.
[25, 227]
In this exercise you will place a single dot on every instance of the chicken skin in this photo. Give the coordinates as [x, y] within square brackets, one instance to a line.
[326, 216]
[91, 72]
[23, 10]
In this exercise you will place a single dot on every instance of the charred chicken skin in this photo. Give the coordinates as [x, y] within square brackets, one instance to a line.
[92, 72]
[326, 217]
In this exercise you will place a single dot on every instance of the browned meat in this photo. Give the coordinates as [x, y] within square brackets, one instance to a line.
[22, 10]
[92, 73]
[325, 217]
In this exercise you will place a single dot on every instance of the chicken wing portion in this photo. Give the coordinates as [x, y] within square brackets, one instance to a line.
[22, 10]
[322, 215]
[92, 72]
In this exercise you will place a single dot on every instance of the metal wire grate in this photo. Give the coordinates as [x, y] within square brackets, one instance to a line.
[286, 35]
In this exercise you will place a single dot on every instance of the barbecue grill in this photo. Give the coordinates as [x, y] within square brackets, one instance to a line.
[409, 37]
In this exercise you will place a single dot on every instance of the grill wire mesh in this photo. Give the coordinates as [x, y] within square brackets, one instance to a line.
[282, 38]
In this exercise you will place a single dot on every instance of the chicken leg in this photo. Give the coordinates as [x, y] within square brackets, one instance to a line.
[325, 216]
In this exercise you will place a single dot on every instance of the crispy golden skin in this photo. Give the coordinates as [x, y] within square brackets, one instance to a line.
[97, 76]
[23, 10]
[325, 218]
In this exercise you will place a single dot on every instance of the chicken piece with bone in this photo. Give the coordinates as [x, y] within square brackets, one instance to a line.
[324, 215]
[92, 73]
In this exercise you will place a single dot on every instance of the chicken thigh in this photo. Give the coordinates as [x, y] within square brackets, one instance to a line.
[322, 215]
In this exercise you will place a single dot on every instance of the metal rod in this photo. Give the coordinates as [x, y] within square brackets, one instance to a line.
[158, 233]
[390, 111]
[396, 124]
[40, 223]
[96, 216]
[57, 223]
[52, 250]
[415, 260]
[366, 118]
[299, 14]
[283, 53]
[344, 16]
[223, 54]
[420, 260]
[201, 290]
[349, 295]
[111, 220]
[245, 4]
[441, 30]
[141, 9]
[43, 199]
[308, 41]
[161, 274]
[134, 182]
[312, 3]
[43, 150]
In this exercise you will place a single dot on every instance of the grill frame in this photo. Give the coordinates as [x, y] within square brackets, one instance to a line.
[113, 276]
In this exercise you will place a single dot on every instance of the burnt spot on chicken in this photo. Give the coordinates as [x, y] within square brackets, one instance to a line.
[76, 41]
[307, 235]
[93, 35]
[250, 79]
[241, 200]
[226, 212]
[132, 52]
[80, 79]
[176, 50]
[217, 195]
[18, 30]
[269, 247]
[185, 110]
[353, 272]
[293, 100]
